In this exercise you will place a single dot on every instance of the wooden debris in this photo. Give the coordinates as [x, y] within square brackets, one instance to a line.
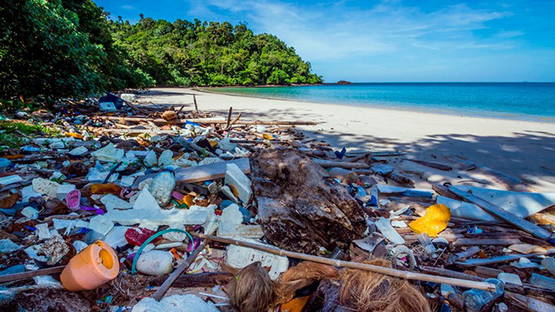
[298, 209]
[355, 265]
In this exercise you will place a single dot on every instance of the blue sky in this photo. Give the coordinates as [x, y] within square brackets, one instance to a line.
[389, 40]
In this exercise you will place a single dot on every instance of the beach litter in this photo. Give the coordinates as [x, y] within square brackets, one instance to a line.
[158, 208]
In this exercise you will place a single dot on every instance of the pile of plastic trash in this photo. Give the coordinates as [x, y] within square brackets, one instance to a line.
[135, 208]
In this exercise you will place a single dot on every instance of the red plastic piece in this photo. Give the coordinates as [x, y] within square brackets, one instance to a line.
[137, 236]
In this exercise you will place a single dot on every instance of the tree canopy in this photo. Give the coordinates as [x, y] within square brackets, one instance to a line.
[58, 48]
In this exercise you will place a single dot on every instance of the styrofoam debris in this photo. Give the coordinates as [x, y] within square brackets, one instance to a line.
[148, 213]
[239, 257]
[230, 219]
[45, 187]
[236, 179]
[175, 303]
[109, 153]
[162, 186]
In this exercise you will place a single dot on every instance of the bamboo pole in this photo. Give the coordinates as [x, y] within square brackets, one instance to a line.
[341, 164]
[180, 269]
[355, 265]
[212, 121]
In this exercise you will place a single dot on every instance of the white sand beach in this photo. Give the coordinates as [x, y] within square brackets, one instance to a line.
[513, 149]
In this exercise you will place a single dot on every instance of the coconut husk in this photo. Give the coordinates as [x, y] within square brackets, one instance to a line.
[300, 276]
[369, 291]
[251, 290]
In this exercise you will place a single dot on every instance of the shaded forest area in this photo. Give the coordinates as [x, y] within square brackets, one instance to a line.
[71, 48]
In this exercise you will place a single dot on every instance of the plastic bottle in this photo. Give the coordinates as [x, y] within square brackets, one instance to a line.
[92, 267]
[476, 299]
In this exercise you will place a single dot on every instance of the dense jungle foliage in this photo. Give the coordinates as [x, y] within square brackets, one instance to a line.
[60, 48]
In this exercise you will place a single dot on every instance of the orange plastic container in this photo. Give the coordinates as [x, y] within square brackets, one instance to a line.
[92, 267]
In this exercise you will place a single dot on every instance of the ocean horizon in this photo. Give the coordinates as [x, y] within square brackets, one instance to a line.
[533, 101]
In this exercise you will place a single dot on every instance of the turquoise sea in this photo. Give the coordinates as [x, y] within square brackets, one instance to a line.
[528, 101]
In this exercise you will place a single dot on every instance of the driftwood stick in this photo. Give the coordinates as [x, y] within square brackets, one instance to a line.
[355, 265]
[195, 102]
[341, 164]
[235, 120]
[212, 121]
[229, 117]
[27, 275]
[432, 164]
[180, 269]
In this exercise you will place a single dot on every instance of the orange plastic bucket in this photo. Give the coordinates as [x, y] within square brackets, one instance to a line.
[92, 267]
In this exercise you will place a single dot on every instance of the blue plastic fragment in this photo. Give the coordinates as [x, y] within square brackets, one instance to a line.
[187, 122]
[341, 154]
[373, 201]
[246, 214]
[4, 162]
[30, 149]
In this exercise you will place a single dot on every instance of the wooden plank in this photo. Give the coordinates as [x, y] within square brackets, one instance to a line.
[503, 214]
[211, 171]
[341, 164]
[212, 121]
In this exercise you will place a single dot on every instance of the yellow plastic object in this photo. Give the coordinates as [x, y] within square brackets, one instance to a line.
[93, 266]
[433, 222]
[267, 136]
[74, 135]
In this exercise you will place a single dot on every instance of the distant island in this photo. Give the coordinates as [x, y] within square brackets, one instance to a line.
[343, 82]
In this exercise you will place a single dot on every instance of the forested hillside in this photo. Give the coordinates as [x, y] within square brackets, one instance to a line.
[72, 48]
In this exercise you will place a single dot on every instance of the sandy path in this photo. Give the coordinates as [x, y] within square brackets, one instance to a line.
[520, 149]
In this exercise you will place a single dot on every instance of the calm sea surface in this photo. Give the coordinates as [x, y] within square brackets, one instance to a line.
[529, 101]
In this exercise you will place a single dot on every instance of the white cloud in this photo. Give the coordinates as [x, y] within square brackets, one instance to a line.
[334, 31]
